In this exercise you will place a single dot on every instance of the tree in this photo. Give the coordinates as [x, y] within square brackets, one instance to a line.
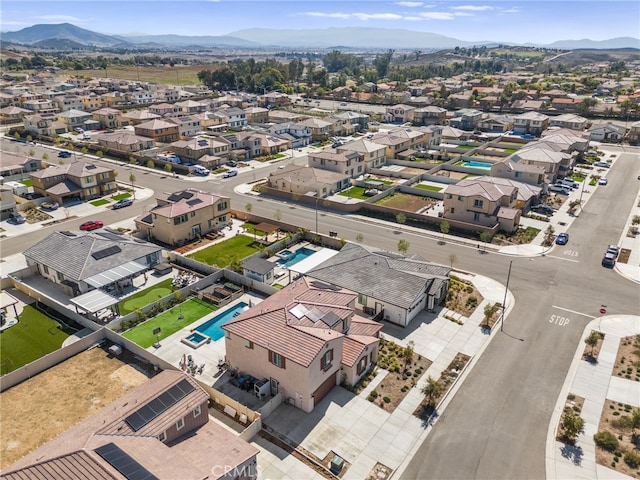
[45, 156]
[99, 154]
[31, 152]
[248, 207]
[572, 425]
[489, 310]
[359, 238]
[401, 218]
[168, 168]
[485, 237]
[407, 352]
[403, 246]
[132, 179]
[277, 215]
[592, 339]
[151, 164]
[132, 160]
[632, 422]
[444, 228]
[16, 135]
[452, 259]
[432, 390]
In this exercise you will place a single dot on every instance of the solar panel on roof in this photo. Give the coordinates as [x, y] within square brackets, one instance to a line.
[121, 461]
[314, 314]
[159, 405]
[106, 252]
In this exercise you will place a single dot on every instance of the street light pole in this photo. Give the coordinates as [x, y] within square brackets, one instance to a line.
[504, 302]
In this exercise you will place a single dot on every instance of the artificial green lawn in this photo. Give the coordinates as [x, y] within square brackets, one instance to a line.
[225, 253]
[355, 192]
[429, 187]
[34, 336]
[27, 182]
[250, 228]
[146, 296]
[120, 196]
[99, 202]
[169, 322]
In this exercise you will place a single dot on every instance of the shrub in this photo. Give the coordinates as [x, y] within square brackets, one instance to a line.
[372, 396]
[386, 400]
[632, 459]
[606, 440]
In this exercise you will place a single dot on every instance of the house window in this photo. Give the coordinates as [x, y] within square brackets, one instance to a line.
[362, 299]
[163, 436]
[453, 210]
[222, 206]
[46, 269]
[362, 365]
[249, 344]
[371, 357]
[277, 359]
[460, 198]
[325, 361]
[448, 196]
[197, 411]
[180, 424]
[476, 217]
[60, 276]
[478, 203]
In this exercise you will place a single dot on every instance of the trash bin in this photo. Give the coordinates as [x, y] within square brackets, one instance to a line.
[336, 464]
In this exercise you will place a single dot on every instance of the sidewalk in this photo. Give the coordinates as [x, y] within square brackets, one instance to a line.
[595, 383]
[631, 269]
[364, 434]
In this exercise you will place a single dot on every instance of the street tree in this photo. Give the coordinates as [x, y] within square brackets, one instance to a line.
[572, 425]
[132, 179]
[432, 390]
[401, 218]
[168, 168]
[592, 339]
[452, 259]
[444, 228]
[403, 246]
[359, 237]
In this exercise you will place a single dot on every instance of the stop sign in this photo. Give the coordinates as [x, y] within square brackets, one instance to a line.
[603, 311]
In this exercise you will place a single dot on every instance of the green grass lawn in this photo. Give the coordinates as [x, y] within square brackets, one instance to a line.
[279, 155]
[225, 253]
[593, 182]
[99, 202]
[33, 337]
[146, 296]
[169, 322]
[510, 150]
[250, 228]
[429, 187]
[27, 182]
[355, 192]
[466, 147]
[120, 196]
[577, 177]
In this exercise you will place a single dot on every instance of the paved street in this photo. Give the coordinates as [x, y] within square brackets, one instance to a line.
[496, 426]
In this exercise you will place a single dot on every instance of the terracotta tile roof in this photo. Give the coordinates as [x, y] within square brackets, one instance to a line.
[74, 466]
[186, 201]
[471, 187]
[364, 326]
[353, 347]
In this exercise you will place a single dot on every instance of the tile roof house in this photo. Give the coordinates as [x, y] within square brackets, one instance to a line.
[12, 163]
[320, 129]
[108, 117]
[299, 180]
[399, 113]
[7, 202]
[549, 155]
[521, 172]
[404, 138]
[160, 430]
[609, 133]
[305, 339]
[374, 153]
[76, 260]
[532, 123]
[569, 120]
[345, 162]
[527, 194]
[391, 285]
[74, 181]
[429, 115]
[44, 124]
[299, 135]
[196, 148]
[161, 131]
[634, 133]
[135, 117]
[481, 202]
[183, 216]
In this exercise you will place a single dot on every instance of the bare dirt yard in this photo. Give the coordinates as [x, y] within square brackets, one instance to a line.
[37, 410]
[628, 359]
[614, 457]
[403, 201]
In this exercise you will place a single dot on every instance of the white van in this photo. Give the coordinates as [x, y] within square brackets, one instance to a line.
[200, 170]
[570, 183]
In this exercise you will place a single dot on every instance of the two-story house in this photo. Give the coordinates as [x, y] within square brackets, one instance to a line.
[257, 114]
[608, 133]
[166, 109]
[521, 172]
[236, 117]
[496, 124]
[136, 117]
[532, 123]
[347, 162]
[74, 181]
[69, 102]
[466, 119]
[14, 163]
[7, 202]
[429, 115]
[305, 339]
[44, 124]
[634, 133]
[373, 153]
[124, 142]
[183, 216]
[109, 118]
[161, 131]
[399, 113]
[75, 119]
[320, 129]
[195, 149]
[190, 107]
[483, 203]
[359, 121]
[569, 120]
[299, 135]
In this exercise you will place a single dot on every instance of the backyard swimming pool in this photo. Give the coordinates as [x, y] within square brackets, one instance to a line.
[300, 255]
[212, 327]
[472, 164]
[195, 339]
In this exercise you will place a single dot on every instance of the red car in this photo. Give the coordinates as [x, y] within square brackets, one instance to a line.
[91, 225]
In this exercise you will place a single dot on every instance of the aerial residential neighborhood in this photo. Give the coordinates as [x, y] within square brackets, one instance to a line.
[265, 257]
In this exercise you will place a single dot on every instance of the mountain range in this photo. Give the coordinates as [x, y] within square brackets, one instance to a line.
[363, 38]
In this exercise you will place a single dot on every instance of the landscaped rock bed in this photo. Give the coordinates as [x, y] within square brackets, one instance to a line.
[462, 296]
[617, 445]
[628, 359]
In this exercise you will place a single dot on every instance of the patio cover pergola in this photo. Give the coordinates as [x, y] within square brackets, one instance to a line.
[265, 227]
[114, 274]
[94, 301]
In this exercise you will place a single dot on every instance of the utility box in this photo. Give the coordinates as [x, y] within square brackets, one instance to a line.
[115, 349]
[336, 464]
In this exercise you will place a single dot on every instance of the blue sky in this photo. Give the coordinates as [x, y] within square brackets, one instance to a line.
[475, 20]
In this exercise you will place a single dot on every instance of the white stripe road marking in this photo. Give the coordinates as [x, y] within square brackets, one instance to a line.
[572, 311]
[562, 258]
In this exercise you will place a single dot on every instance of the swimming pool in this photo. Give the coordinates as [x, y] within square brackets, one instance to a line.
[211, 328]
[472, 164]
[195, 339]
[300, 255]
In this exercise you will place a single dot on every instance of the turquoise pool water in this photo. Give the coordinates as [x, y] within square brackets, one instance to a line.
[196, 338]
[472, 164]
[212, 327]
[300, 255]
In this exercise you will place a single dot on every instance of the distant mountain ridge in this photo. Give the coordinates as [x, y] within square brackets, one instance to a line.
[364, 38]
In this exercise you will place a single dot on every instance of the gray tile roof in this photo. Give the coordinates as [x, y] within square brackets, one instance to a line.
[258, 265]
[398, 281]
[70, 253]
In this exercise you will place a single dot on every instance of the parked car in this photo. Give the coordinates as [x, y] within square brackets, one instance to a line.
[570, 183]
[559, 188]
[343, 104]
[64, 154]
[49, 205]
[230, 173]
[200, 170]
[609, 260]
[91, 225]
[544, 209]
[231, 163]
[603, 181]
[614, 250]
[16, 218]
[562, 239]
[602, 164]
[125, 202]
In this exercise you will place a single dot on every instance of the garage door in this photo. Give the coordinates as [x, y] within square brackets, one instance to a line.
[323, 389]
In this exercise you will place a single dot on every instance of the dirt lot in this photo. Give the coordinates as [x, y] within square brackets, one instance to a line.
[628, 360]
[403, 201]
[39, 409]
[611, 413]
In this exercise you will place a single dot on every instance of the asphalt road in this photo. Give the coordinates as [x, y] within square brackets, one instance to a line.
[495, 427]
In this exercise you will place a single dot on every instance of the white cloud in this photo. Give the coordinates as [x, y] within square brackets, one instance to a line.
[60, 18]
[410, 4]
[474, 8]
[510, 10]
[437, 15]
